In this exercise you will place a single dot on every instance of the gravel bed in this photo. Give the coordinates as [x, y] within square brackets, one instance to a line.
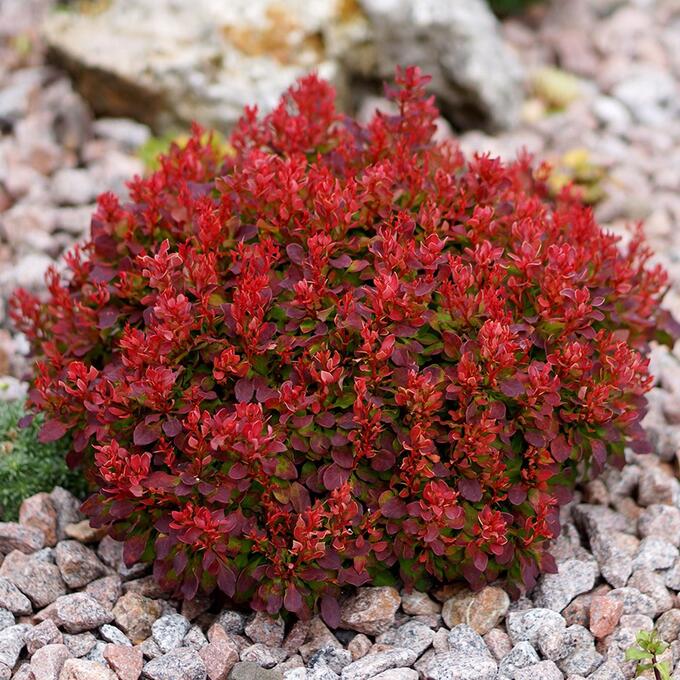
[70, 609]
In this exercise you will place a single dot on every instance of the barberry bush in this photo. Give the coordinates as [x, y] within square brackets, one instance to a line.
[339, 354]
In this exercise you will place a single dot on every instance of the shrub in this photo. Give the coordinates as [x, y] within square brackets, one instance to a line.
[504, 8]
[646, 651]
[341, 354]
[28, 466]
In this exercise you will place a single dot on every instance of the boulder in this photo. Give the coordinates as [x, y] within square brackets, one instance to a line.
[167, 63]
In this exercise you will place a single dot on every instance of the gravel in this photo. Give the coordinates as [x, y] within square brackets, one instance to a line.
[70, 608]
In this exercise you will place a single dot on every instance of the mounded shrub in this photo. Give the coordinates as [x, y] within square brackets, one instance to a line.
[28, 466]
[340, 355]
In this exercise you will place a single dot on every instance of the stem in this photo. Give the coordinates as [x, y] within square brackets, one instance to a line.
[657, 672]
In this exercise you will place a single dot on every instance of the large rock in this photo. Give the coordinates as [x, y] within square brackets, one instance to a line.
[15, 536]
[76, 613]
[468, 658]
[371, 610]
[39, 512]
[13, 599]
[40, 581]
[166, 63]
[180, 664]
[481, 611]
[78, 565]
[135, 615]
[477, 79]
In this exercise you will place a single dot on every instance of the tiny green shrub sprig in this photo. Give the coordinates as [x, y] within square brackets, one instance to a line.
[646, 651]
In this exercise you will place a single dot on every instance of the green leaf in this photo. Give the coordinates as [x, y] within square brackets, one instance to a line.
[637, 654]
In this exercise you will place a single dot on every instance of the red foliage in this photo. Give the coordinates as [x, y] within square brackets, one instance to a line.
[341, 354]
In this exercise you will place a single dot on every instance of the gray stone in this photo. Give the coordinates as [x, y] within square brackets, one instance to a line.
[655, 553]
[6, 619]
[180, 664]
[77, 613]
[265, 629]
[78, 564]
[251, 671]
[581, 657]
[321, 672]
[331, 657]
[614, 554]
[128, 133]
[556, 591]
[48, 661]
[649, 93]
[231, 621]
[521, 656]
[208, 60]
[476, 79]
[73, 186]
[81, 644]
[12, 599]
[68, 509]
[411, 635]
[45, 633]
[652, 584]
[526, 625]
[97, 653]
[612, 113]
[456, 666]
[598, 519]
[262, 655]
[543, 670]
[607, 671]
[634, 602]
[12, 642]
[662, 521]
[668, 625]
[14, 536]
[672, 576]
[195, 638]
[372, 664]
[84, 669]
[114, 635]
[169, 630]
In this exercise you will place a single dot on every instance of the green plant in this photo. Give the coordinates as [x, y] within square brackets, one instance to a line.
[646, 651]
[505, 8]
[28, 466]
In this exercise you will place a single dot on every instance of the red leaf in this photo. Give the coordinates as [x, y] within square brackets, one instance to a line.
[226, 580]
[133, 549]
[145, 434]
[243, 390]
[51, 431]
[330, 611]
[470, 490]
[334, 476]
[394, 508]
[292, 600]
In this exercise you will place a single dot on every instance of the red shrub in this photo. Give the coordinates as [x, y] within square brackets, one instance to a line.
[341, 353]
